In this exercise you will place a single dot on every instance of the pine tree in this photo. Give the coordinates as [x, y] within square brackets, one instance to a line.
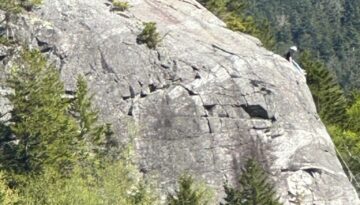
[189, 193]
[45, 133]
[233, 196]
[328, 96]
[254, 188]
[83, 111]
[97, 137]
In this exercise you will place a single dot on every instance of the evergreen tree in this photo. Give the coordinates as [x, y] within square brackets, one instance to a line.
[328, 96]
[83, 111]
[44, 132]
[233, 196]
[97, 137]
[254, 188]
[189, 193]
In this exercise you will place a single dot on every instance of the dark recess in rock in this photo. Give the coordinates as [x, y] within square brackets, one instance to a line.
[152, 88]
[256, 111]
[130, 112]
[2, 58]
[191, 93]
[165, 66]
[197, 76]
[195, 68]
[209, 109]
[44, 47]
[312, 171]
[70, 92]
[142, 94]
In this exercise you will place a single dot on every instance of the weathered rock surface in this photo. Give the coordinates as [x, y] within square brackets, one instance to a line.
[204, 101]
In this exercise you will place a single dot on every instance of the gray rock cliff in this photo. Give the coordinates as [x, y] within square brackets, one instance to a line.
[203, 101]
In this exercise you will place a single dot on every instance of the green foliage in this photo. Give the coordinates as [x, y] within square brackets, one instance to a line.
[7, 195]
[5, 41]
[149, 35]
[90, 131]
[54, 150]
[17, 6]
[115, 183]
[347, 141]
[83, 110]
[353, 113]
[232, 12]
[29, 4]
[328, 96]
[96, 138]
[233, 196]
[328, 28]
[254, 188]
[348, 145]
[190, 193]
[120, 5]
[11, 6]
[37, 98]
[71, 132]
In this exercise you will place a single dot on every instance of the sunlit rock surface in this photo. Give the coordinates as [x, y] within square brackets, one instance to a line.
[203, 101]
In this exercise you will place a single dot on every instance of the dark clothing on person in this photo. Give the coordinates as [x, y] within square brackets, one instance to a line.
[288, 55]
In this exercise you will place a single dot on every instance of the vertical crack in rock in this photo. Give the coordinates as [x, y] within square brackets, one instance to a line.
[209, 125]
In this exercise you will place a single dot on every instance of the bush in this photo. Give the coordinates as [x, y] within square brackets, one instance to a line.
[149, 35]
[120, 5]
[17, 6]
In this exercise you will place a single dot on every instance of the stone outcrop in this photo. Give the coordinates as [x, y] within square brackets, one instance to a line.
[203, 101]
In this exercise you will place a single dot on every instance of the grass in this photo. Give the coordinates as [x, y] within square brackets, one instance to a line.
[120, 5]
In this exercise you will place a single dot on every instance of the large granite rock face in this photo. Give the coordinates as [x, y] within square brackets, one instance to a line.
[203, 101]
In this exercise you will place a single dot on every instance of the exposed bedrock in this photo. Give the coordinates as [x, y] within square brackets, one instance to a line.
[203, 101]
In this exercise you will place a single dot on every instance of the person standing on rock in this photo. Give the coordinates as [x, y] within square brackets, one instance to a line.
[290, 53]
[289, 57]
